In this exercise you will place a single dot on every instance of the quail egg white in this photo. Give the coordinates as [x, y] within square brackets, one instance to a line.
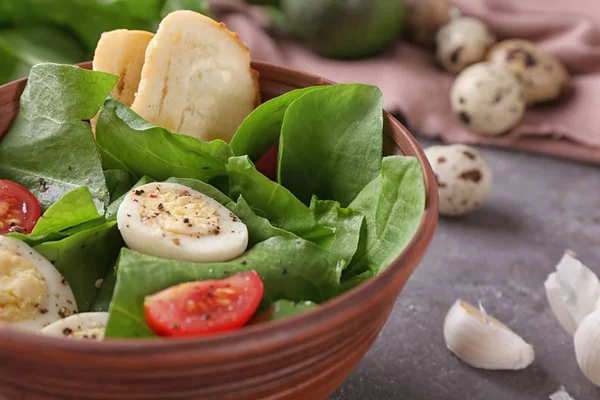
[33, 294]
[173, 221]
[86, 326]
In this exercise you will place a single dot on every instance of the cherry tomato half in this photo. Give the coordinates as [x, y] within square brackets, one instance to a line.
[204, 307]
[19, 208]
[267, 164]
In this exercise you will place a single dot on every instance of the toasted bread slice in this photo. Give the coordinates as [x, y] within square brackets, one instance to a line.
[122, 52]
[197, 78]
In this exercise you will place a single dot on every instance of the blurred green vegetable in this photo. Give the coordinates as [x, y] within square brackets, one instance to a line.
[274, 3]
[33, 31]
[343, 28]
[21, 48]
[200, 6]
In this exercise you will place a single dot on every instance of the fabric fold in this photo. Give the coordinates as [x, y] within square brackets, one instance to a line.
[414, 86]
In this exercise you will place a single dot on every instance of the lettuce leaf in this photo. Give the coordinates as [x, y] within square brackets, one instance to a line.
[49, 149]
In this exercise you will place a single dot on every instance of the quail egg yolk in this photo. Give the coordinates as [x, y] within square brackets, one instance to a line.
[23, 291]
[178, 212]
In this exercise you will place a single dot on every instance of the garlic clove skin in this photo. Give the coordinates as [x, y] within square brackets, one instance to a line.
[482, 341]
[573, 291]
[587, 347]
[555, 298]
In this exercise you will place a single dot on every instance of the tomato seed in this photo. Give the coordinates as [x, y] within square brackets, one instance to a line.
[222, 301]
[191, 306]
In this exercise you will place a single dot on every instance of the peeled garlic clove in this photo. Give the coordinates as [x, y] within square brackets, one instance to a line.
[587, 346]
[482, 341]
[554, 293]
[573, 291]
[561, 394]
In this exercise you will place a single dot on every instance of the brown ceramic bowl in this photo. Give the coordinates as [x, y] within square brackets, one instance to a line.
[305, 358]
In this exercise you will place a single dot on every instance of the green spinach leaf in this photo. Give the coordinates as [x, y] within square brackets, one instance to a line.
[118, 182]
[34, 240]
[294, 269]
[72, 209]
[259, 228]
[128, 142]
[106, 291]
[332, 142]
[354, 281]
[366, 204]
[56, 100]
[111, 211]
[343, 222]
[390, 226]
[283, 309]
[272, 200]
[286, 308]
[261, 129]
[83, 258]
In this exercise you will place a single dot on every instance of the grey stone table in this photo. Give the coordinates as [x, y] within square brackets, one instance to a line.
[500, 255]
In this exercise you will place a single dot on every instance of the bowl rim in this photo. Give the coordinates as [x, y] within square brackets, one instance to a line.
[275, 334]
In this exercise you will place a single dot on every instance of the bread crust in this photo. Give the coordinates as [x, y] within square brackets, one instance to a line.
[122, 52]
[197, 78]
[255, 74]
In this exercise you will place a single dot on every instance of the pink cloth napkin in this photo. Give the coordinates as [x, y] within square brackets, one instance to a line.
[416, 87]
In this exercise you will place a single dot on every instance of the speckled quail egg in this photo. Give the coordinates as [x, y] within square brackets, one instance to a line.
[542, 76]
[425, 18]
[488, 98]
[464, 41]
[464, 178]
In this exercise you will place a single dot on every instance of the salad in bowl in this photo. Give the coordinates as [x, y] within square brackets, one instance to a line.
[156, 197]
